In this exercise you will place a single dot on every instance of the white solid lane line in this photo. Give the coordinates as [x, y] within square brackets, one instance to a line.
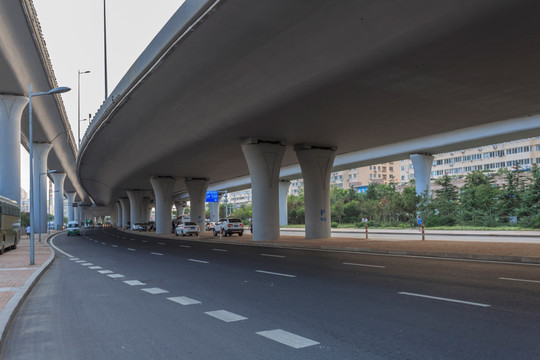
[288, 338]
[116, 276]
[444, 299]
[184, 300]
[154, 253]
[276, 256]
[225, 315]
[134, 282]
[155, 291]
[365, 265]
[274, 273]
[522, 280]
[198, 261]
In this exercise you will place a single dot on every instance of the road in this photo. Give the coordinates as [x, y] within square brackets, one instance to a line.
[113, 295]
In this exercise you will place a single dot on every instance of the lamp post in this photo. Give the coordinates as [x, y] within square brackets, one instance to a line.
[79, 72]
[57, 90]
[39, 199]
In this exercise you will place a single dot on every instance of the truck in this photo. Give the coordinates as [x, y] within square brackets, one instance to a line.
[229, 226]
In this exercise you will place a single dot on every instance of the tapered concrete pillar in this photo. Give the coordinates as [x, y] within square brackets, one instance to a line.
[58, 180]
[180, 206]
[124, 204]
[316, 163]
[118, 214]
[163, 188]
[39, 203]
[283, 192]
[264, 162]
[197, 199]
[114, 214]
[135, 205]
[77, 213]
[422, 172]
[70, 200]
[144, 208]
[11, 108]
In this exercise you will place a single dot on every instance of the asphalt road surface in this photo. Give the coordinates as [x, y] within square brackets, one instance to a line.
[113, 295]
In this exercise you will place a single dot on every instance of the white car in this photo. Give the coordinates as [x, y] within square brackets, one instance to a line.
[187, 228]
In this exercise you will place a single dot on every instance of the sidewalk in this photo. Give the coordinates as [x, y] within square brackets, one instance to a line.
[17, 277]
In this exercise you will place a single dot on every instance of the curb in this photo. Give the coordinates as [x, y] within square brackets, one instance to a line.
[12, 307]
[430, 232]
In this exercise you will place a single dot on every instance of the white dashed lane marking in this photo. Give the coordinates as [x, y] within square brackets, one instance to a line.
[161, 243]
[521, 280]
[80, 261]
[155, 253]
[271, 255]
[222, 250]
[184, 300]
[274, 273]
[116, 276]
[74, 259]
[134, 282]
[95, 267]
[87, 264]
[130, 249]
[185, 246]
[114, 245]
[105, 271]
[288, 338]
[199, 261]
[226, 316]
[155, 291]
[444, 299]
[365, 265]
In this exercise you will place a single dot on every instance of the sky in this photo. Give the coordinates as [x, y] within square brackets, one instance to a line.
[73, 32]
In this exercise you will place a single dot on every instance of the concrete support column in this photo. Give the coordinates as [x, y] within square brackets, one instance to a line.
[163, 188]
[39, 203]
[135, 205]
[284, 186]
[11, 109]
[422, 172]
[264, 162]
[180, 206]
[71, 199]
[145, 213]
[124, 204]
[197, 198]
[77, 213]
[58, 180]
[316, 163]
[118, 214]
[114, 214]
[214, 211]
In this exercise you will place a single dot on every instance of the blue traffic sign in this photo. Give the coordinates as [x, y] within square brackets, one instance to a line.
[212, 196]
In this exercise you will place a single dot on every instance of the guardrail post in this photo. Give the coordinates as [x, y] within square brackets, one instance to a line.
[366, 232]
[423, 234]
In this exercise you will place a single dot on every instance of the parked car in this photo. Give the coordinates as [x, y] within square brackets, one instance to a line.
[139, 227]
[229, 227]
[187, 228]
[73, 228]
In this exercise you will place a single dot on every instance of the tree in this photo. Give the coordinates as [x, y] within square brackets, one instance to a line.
[477, 198]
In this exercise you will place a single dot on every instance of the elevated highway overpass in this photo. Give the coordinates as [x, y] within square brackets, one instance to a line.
[231, 93]
[24, 60]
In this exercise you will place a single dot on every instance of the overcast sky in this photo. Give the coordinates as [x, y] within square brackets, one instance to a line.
[73, 31]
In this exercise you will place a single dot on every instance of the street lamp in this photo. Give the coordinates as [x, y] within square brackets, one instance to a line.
[57, 90]
[39, 199]
[79, 72]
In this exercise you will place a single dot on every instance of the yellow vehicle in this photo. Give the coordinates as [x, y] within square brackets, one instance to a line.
[10, 224]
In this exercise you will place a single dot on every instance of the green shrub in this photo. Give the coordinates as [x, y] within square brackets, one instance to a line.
[334, 224]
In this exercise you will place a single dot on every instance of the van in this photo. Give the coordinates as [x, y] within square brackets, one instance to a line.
[73, 228]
